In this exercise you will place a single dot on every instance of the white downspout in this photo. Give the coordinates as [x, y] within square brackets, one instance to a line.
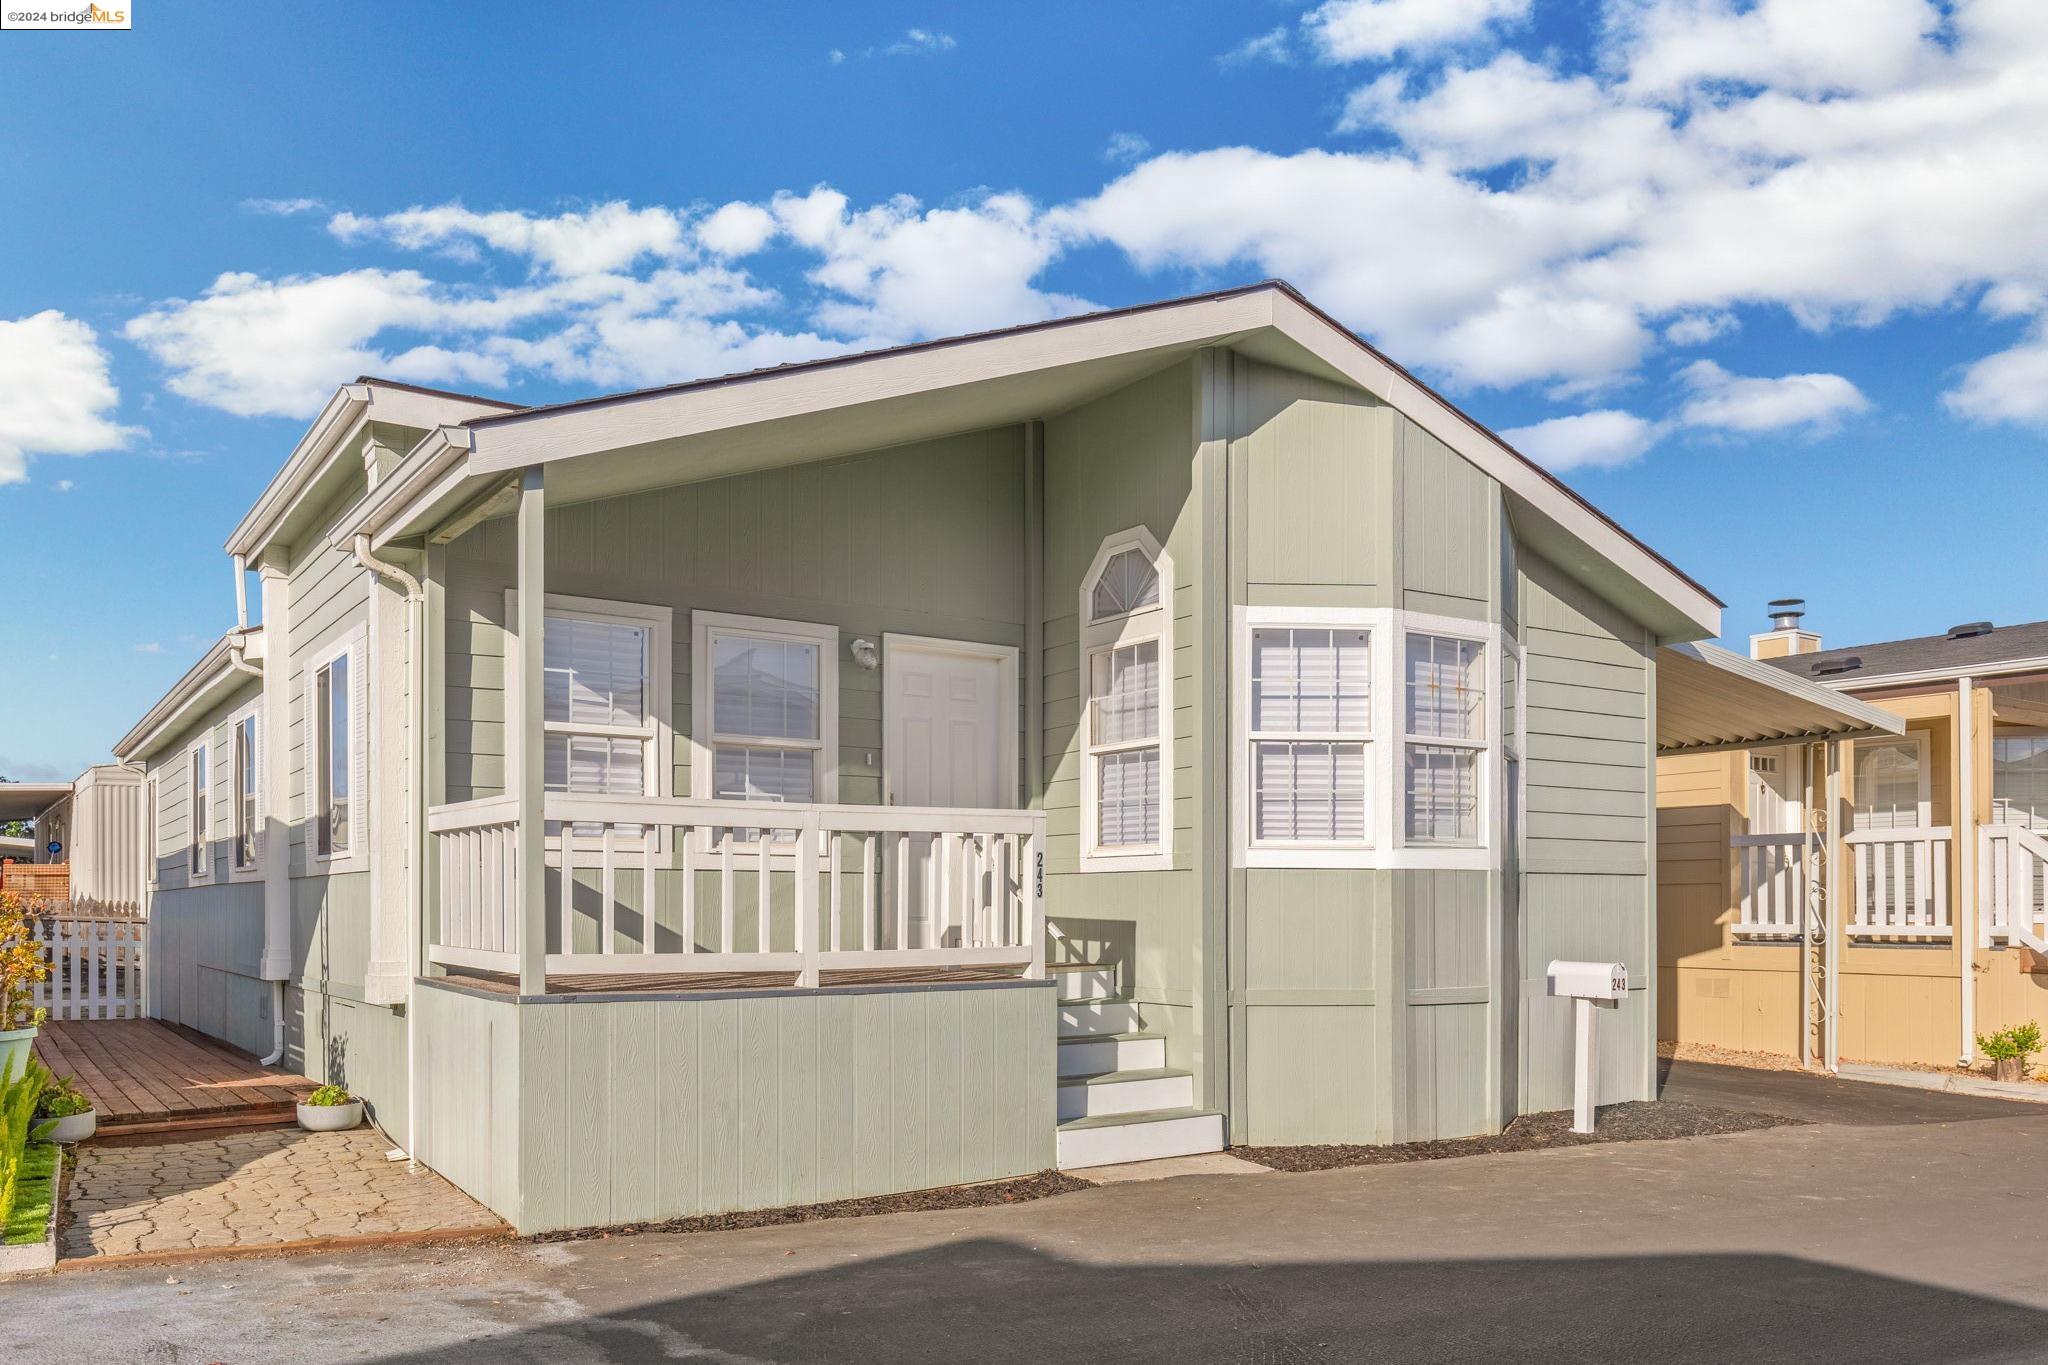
[1965, 821]
[241, 592]
[415, 767]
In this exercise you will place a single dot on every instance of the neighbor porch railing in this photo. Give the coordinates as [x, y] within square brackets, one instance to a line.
[1774, 877]
[1898, 881]
[95, 960]
[2012, 875]
[669, 885]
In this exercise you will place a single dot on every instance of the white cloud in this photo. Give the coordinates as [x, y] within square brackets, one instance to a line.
[282, 208]
[2010, 386]
[736, 229]
[919, 41]
[1125, 147]
[149, 647]
[1371, 30]
[57, 395]
[1734, 403]
[1795, 46]
[1274, 46]
[1600, 440]
[609, 237]
[64, 485]
[1696, 329]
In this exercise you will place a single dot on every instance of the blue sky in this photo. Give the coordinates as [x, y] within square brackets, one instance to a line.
[1764, 279]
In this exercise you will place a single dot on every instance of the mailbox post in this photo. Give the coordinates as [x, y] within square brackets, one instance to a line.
[1589, 986]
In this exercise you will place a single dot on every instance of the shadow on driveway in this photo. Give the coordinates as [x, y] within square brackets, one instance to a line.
[991, 1300]
[1823, 1099]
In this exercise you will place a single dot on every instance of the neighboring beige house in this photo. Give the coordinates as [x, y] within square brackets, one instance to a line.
[1919, 952]
[87, 841]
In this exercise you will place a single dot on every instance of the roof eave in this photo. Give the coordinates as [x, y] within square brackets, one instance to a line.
[196, 688]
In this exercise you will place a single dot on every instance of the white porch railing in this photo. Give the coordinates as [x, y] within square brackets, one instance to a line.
[681, 886]
[1774, 877]
[2012, 875]
[95, 965]
[1898, 880]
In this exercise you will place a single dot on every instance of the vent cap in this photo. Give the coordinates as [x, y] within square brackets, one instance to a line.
[1786, 611]
[1847, 663]
[1969, 630]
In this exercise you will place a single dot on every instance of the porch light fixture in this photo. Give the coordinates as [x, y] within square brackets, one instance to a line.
[865, 653]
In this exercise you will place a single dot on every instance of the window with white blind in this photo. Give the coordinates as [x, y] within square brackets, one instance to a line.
[199, 813]
[1444, 706]
[1126, 660]
[1890, 783]
[1364, 739]
[605, 669]
[242, 777]
[765, 710]
[1311, 724]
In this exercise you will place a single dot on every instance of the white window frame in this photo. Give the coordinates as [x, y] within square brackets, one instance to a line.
[1385, 845]
[355, 857]
[1101, 636]
[658, 761]
[199, 814]
[1923, 797]
[251, 715]
[705, 628]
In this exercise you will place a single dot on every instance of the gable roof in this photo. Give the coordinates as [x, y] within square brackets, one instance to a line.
[874, 399]
[1924, 658]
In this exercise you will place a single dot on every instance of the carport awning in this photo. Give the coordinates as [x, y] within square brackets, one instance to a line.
[1709, 698]
[27, 800]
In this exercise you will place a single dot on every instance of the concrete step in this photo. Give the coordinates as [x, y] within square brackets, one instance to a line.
[1124, 1092]
[1093, 1018]
[1112, 1139]
[1086, 1055]
[1082, 980]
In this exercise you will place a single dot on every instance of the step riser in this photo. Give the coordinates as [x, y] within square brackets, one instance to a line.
[1110, 1054]
[1102, 1016]
[1141, 1141]
[1095, 984]
[1126, 1097]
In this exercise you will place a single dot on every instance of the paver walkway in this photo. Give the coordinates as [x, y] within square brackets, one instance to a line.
[263, 1187]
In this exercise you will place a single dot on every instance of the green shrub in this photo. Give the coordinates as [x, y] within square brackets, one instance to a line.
[18, 1097]
[2021, 1041]
[328, 1096]
[62, 1099]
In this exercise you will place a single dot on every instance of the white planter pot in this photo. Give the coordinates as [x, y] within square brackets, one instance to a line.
[330, 1118]
[74, 1127]
[14, 1051]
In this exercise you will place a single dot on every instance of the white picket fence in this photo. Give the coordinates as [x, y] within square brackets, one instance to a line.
[1899, 881]
[1774, 884]
[96, 964]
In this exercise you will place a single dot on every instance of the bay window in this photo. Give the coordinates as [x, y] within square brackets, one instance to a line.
[1126, 664]
[1364, 739]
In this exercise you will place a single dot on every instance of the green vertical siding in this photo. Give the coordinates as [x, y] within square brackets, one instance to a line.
[1124, 460]
[1447, 528]
[469, 1094]
[628, 1110]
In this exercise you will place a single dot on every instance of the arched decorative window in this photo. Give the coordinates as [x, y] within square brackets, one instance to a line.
[1126, 661]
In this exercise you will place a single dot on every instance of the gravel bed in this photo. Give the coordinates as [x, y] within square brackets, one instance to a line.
[1642, 1121]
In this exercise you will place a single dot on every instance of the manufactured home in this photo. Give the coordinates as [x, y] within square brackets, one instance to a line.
[1939, 851]
[85, 842]
[1102, 739]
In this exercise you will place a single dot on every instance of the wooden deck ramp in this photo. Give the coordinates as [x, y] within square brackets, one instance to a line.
[147, 1076]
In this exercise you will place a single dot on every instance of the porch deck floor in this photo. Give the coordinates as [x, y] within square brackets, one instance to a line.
[145, 1075]
[671, 982]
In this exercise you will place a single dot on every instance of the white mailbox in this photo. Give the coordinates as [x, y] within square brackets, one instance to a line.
[1589, 980]
[1589, 986]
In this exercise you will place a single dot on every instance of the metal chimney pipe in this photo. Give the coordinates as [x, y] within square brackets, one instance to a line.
[1786, 611]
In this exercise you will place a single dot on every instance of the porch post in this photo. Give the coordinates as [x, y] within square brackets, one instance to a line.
[1831, 953]
[1963, 842]
[527, 735]
[274, 753]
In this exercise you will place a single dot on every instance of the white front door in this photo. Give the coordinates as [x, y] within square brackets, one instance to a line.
[949, 739]
[1776, 785]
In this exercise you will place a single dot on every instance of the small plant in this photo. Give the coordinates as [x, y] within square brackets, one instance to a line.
[62, 1098]
[328, 1096]
[2014, 1044]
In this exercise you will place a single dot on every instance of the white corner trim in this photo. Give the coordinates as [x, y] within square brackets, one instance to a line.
[1151, 623]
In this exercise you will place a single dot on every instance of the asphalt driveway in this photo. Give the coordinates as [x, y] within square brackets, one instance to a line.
[1866, 1238]
[1818, 1099]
